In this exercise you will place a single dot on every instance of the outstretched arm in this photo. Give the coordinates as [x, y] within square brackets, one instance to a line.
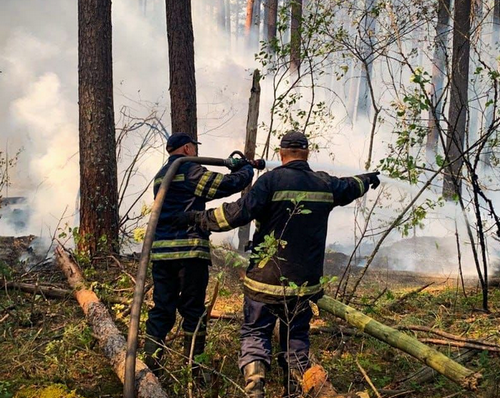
[229, 215]
[347, 189]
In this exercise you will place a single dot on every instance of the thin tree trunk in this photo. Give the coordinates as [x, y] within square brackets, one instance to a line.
[271, 20]
[295, 35]
[249, 21]
[98, 169]
[255, 28]
[438, 75]
[458, 98]
[111, 341]
[490, 114]
[181, 65]
[251, 137]
[454, 371]
[369, 26]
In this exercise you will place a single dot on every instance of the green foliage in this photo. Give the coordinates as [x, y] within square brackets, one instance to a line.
[5, 389]
[5, 270]
[418, 214]
[267, 249]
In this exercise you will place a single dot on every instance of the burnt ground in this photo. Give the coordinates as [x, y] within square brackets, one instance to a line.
[48, 347]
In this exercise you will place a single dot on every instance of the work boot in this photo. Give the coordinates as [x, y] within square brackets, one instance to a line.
[153, 351]
[255, 378]
[200, 376]
[292, 383]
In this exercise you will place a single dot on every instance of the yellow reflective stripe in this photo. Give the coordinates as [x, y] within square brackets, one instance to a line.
[181, 242]
[275, 290]
[201, 184]
[303, 196]
[361, 185]
[213, 189]
[180, 255]
[177, 178]
[221, 218]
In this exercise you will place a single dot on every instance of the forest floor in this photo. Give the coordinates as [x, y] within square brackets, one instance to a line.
[49, 351]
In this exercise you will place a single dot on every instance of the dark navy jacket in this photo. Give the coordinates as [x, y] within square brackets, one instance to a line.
[292, 204]
[191, 188]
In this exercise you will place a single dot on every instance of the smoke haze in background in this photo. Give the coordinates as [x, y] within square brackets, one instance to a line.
[39, 107]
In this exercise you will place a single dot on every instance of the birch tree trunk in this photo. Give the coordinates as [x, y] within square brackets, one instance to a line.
[454, 371]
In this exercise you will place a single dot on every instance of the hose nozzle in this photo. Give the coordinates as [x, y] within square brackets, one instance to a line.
[235, 163]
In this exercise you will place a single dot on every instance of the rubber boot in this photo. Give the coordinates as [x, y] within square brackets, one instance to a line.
[292, 383]
[153, 351]
[255, 379]
[200, 376]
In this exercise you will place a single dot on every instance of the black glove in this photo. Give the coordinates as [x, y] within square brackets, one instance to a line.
[183, 220]
[234, 164]
[374, 181]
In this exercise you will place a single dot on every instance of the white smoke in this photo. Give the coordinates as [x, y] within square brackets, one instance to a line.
[39, 110]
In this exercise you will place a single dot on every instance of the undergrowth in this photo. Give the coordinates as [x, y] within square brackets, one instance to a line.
[47, 347]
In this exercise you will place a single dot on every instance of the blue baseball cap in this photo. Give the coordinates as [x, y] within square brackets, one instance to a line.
[176, 140]
[294, 139]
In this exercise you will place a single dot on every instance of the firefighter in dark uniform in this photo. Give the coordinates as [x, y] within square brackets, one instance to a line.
[181, 257]
[291, 205]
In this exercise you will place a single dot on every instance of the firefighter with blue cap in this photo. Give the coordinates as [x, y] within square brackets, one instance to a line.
[181, 256]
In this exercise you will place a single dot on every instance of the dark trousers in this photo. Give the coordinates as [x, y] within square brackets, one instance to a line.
[256, 333]
[178, 285]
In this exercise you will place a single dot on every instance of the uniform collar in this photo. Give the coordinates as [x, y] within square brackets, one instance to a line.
[297, 165]
[171, 158]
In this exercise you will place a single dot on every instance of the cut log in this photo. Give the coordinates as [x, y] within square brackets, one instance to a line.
[110, 339]
[315, 384]
[441, 363]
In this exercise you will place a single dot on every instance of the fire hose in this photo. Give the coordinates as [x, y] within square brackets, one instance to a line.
[232, 163]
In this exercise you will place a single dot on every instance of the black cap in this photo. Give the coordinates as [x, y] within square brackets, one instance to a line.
[176, 140]
[294, 139]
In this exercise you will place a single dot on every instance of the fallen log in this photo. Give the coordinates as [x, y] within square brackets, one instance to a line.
[426, 374]
[55, 292]
[441, 363]
[419, 328]
[110, 339]
[461, 344]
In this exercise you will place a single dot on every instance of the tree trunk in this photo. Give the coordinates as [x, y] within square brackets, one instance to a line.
[368, 32]
[489, 117]
[249, 20]
[458, 98]
[111, 341]
[251, 137]
[439, 362]
[98, 170]
[295, 35]
[181, 64]
[438, 73]
[221, 14]
[271, 19]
